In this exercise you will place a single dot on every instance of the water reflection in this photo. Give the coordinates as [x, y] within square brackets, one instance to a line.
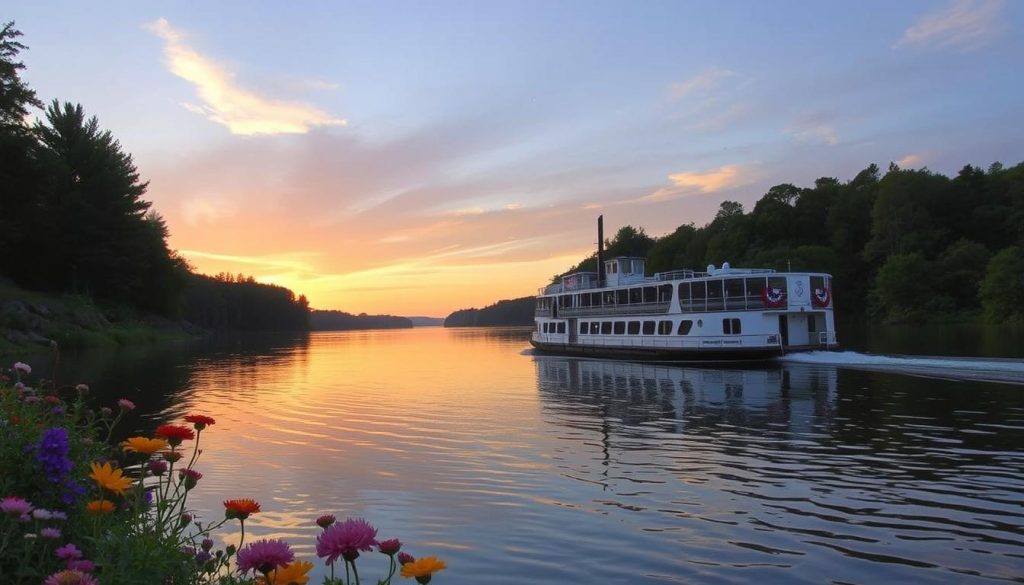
[754, 469]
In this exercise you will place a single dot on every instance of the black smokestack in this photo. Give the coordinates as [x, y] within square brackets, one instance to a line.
[600, 249]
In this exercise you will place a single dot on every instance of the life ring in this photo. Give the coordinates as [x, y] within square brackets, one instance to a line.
[773, 297]
[821, 297]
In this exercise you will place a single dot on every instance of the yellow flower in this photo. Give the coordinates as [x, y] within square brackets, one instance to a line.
[144, 445]
[423, 567]
[107, 477]
[293, 574]
[100, 506]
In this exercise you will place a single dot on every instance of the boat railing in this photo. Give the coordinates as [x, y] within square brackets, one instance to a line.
[630, 309]
[827, 338]
[678, 275]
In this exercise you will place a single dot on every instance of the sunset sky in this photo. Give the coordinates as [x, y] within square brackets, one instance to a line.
[415, 158]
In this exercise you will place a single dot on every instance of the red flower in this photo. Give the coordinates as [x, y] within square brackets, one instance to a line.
[201, 421]
[174, 434]
[240, 508]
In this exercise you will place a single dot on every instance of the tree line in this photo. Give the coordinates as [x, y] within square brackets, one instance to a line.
[73, 220]
[903, 246]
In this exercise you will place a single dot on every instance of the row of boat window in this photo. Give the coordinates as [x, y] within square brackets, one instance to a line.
[729, 327]
[689, 292]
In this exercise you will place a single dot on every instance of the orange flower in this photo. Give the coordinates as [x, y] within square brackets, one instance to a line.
[293, 574]
[423, 568]
[100, 506]
[144, 445]
[240, 508]
[107, 477]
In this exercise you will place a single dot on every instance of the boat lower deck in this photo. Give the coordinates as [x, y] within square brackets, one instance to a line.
[661, 353]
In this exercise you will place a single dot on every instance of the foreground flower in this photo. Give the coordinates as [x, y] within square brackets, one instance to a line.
[264, 556]
[125, 404]
[106, 476]
[15, 506]
[423, 569]
[404, 557]
[49, 533]
[68, 552]
[157, 467]
[144, 445]
[70, 577]
[326, 520]
[175, 434]
[190, 477]
[292, 574]
[346, 539]
[100, 506]
[240, 508]
[200, 421]
[390, 547]
[22, 367]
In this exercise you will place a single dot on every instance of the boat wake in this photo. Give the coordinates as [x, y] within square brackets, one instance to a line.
[1004, 371]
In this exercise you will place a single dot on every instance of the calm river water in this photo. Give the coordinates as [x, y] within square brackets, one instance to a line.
[516, 468]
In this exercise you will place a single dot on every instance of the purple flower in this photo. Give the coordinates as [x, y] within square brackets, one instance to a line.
[70, 577]
[346, 539]
[15, 506]
[158, 467]
[68, 552]
[326, 520]
[52, 457]
[125, 404]
[21, 367]
[404, 558]
[264, 556]
[49, 533]
[190, 477]
[203, 556]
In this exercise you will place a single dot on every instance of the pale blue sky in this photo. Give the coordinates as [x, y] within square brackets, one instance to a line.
[499, 130]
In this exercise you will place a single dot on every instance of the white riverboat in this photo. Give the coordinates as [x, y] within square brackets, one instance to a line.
[722, 313]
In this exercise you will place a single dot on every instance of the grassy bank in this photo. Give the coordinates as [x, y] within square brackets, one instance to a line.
[30, 320]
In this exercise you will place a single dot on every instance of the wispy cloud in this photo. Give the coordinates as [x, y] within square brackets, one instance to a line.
[911, 160]
[814, 129]
[698, 182]
[702, 82]
[964, 24]
[295, 261]
[225, 102]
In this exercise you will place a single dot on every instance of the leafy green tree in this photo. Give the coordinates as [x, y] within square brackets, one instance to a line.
[903, 287]
[1002, 291]
[960, 269]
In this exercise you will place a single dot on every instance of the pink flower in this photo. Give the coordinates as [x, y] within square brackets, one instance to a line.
[68, 552]
[390, 547]
[190, 476]
[346, 539]
[22, 367]
[70, 577]
[15, 506]
[125, 404]
[157, 466]
[264, 556]
[82, 565]
[404, 558]
[49, 533]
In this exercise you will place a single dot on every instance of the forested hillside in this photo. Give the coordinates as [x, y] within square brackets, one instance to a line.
[73, 220]
[508, 312]
[904, 246]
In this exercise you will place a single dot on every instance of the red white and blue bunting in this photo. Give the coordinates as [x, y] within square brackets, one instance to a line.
[773, 297]
[821, 297]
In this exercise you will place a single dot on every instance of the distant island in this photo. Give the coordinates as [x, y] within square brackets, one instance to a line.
[508, 312]
[342, 321]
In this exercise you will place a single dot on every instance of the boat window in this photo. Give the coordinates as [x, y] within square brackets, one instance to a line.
[684, 296]
[609, 298]
[583, 300]
[620, 327]
[664, 327]
[650, 294]
[734, 294]
[715, 300]
[615, 267]
[684, 327]
[698, 291]
[622, 296]
[634, 328]
[606, 328]
[778, 282]
[754, 288]
[664, 293]
[595, 327]
[584, 327]
[545, 328]
[595, 299]
[636, 296]
[810, 324]
[648, 327]
[561, 327]
[731, 326]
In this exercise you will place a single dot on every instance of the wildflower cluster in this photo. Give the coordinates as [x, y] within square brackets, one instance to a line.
[88, 513]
